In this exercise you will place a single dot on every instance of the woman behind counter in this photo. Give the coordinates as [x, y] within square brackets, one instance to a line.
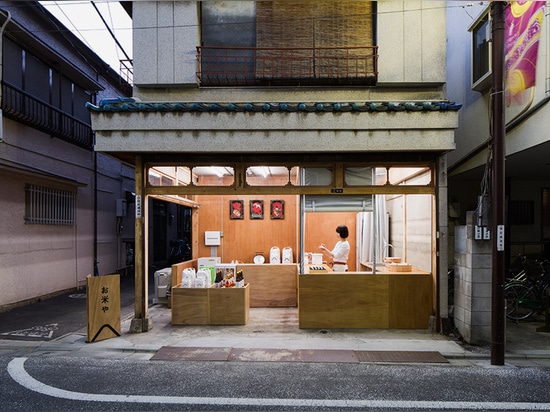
[340, 252]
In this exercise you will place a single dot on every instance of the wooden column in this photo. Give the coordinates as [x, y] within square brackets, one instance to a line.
[141, 321]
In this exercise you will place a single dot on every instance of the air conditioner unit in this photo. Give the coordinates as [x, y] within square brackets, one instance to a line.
[163, 284]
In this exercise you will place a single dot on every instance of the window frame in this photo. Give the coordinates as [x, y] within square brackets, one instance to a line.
[483, 82]
[49, 206]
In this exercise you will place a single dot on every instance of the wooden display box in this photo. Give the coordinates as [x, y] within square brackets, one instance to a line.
[229, 306]
[210, 306]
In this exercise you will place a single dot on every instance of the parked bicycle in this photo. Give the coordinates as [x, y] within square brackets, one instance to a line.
[525, 295]
[180, 251]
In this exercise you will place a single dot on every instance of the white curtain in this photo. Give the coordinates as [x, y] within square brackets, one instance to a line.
[372, 233]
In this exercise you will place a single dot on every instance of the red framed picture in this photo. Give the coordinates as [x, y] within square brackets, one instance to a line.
[236, 209]
[256, 209]
[277, 209]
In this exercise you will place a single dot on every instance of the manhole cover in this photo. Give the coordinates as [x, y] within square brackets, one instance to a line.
[78, 296]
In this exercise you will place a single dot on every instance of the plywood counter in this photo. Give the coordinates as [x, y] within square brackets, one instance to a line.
[271, 284]
[210, 306]
[361, 300]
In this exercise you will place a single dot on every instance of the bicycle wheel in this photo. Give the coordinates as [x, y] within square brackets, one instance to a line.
[520, 299]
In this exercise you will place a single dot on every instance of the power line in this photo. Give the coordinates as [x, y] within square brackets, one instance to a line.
[111, 32]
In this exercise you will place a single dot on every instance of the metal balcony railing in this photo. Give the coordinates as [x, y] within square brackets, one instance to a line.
[22, 107]
[271, 66]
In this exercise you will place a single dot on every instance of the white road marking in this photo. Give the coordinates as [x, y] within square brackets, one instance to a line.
[35, 332]
[16, 369]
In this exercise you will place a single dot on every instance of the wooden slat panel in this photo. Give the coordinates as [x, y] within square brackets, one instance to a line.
[311, 24]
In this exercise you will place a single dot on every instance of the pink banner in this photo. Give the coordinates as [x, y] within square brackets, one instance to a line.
[523, 29]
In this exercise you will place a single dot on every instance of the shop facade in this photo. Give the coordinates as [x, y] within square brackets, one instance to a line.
[283, 162]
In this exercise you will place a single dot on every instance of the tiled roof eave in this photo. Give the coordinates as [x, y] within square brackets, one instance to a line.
[135, 105]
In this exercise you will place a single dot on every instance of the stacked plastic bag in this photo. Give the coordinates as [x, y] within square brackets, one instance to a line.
[192, 279]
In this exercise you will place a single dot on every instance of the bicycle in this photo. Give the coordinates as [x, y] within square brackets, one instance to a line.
[526, 295]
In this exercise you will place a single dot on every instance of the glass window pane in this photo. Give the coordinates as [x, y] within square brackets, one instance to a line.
[480, 46]
[213, 176]
[271, 175]
[358, 176]
[317, 176]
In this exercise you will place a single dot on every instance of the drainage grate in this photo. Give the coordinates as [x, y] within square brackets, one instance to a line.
[401, 357]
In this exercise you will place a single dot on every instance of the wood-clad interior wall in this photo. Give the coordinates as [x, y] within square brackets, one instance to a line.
[243, 239]
[321, 228]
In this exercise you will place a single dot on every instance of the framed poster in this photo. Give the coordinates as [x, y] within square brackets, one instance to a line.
[277, 209]
[236, 209]
[256, 209]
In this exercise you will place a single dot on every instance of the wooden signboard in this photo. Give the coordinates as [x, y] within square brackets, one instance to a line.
[103, 307]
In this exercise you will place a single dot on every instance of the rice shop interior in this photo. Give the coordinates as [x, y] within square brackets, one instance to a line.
[253, 230]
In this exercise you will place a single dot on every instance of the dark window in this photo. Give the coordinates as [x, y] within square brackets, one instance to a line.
[481, 53]
[521, 212]
[41, 97]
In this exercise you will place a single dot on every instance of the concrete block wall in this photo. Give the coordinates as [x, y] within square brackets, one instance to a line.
[472, 284]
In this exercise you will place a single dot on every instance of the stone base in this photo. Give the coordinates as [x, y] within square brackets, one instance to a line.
[139, 325]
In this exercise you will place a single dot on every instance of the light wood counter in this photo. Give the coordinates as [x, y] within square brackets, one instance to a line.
[390, 300]
[383, 269]
[271, 284]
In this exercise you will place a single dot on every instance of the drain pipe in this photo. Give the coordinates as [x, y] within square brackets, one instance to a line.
[8, 18]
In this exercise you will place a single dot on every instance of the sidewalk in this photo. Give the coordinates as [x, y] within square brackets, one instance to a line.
[269, 333]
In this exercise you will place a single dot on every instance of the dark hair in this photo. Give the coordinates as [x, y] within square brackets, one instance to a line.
[343, 231]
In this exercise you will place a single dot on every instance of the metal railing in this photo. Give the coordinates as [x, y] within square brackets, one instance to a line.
[271, 66]
[22, 107]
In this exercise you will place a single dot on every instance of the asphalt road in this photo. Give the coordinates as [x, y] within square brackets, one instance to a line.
[57, 382]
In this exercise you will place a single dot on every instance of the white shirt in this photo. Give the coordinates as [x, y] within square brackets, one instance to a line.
[340, 252]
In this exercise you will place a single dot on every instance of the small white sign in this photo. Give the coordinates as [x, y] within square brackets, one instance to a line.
[212, 238]
[138, 206]
[500, 238]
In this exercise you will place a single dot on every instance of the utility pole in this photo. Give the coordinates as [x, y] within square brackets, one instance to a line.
[498, 184]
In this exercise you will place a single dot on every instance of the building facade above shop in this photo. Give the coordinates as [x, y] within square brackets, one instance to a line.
[274, 127]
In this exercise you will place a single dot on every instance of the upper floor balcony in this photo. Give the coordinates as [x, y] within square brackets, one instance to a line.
[287, 66]
[21, 106]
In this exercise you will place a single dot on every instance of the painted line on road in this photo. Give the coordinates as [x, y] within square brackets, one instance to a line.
[16, 369]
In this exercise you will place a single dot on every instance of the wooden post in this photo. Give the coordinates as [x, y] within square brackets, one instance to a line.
[141, 322]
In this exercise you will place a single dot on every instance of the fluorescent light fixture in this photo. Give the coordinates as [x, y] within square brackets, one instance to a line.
[220, 171]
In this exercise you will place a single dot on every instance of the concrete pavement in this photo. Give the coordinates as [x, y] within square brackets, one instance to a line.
[268, 329]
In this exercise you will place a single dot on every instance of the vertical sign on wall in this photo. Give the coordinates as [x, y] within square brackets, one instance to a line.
[138, 206]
